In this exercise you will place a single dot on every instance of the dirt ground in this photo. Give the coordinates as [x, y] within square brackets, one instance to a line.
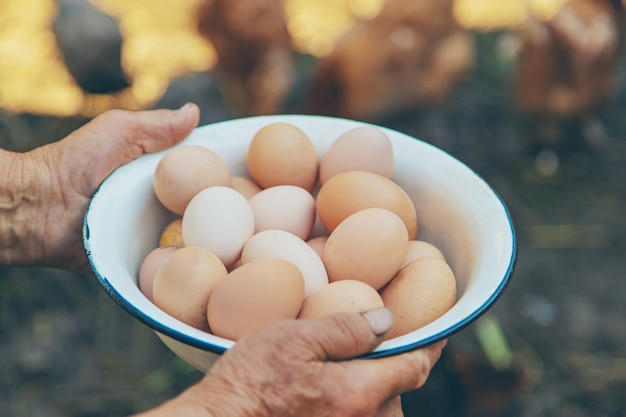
[66, 349]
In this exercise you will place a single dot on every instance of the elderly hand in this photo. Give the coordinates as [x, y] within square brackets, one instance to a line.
[306, 368]
[44, 193]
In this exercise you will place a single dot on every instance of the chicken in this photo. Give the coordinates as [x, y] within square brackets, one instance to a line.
[567, 65]
[255, 55]
[91, 45]
[410, 55]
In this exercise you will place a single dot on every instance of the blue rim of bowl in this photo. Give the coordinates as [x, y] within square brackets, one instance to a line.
[207, 346]
[471, 318]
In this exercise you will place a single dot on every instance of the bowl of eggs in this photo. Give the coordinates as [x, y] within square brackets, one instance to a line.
[277, 217]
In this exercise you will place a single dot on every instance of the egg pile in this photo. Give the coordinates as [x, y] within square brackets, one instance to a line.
[302, 237]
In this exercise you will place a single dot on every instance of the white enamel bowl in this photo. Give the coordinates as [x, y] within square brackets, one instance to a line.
[457, 211]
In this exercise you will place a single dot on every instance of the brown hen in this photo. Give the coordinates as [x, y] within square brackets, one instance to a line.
[567, 64]
[255, 56]
[409, 56]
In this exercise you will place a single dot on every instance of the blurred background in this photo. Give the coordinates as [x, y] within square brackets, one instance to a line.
[529, 93]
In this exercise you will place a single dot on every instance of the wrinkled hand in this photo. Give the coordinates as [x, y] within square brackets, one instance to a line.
[303, 368]
[391, 408]
[47, 190]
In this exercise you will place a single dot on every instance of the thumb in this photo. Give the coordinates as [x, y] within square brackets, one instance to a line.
[145, 131]
[117, 137]
[346, 335]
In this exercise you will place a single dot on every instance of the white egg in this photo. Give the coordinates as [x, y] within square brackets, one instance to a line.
[219, 219]
[279, 244]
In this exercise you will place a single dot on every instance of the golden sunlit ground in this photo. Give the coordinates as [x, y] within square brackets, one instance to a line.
[160, 43]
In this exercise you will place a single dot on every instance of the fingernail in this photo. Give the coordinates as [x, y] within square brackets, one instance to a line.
[184, 113]
[380, 320]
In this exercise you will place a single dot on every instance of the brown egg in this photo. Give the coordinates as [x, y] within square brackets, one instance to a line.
[184, 282]
[186, 170]
[150, 265]
[348, 192]
[420, 249]
[364, 148]
[172, 234]
[282, 154]
[245, 186]
[420, 293]
[347, 296]
[254, 294]
[369, 246]
[284, 207]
